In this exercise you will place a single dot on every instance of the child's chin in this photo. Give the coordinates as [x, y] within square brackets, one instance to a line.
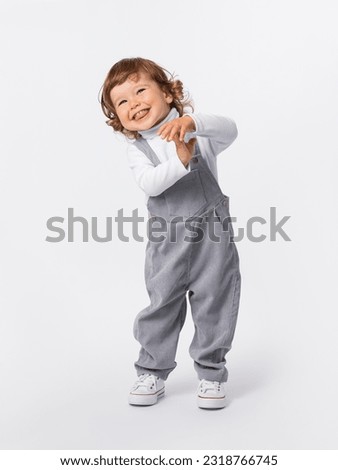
[144, 126]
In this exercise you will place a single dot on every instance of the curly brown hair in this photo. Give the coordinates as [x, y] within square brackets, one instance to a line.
[119, 73]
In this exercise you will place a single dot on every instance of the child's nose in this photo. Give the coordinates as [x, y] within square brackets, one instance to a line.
[134, 103]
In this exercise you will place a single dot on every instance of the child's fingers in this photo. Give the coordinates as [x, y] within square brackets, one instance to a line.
[167, 130]
[173, 131]
[184, 148]
[177, 141]
[183, 132]
[164, 128]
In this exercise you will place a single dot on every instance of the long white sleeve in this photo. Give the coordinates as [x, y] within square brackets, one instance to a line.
[220, 131]
[153, 180]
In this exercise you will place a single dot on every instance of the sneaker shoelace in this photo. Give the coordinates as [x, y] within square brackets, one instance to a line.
[206, 385]
[145, 380]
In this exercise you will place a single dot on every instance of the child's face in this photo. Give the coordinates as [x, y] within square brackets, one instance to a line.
[140, 103]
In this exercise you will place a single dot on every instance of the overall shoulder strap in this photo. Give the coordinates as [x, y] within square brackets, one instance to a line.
[143, 145]
[197, 151]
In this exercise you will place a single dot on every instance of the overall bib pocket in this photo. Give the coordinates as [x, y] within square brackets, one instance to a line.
[186, 196]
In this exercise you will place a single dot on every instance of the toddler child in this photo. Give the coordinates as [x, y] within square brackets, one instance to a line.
[172, 154]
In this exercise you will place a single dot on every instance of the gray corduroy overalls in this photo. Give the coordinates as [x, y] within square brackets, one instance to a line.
[207, 269]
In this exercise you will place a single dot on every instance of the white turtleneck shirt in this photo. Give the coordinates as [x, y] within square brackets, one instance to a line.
[214, 134]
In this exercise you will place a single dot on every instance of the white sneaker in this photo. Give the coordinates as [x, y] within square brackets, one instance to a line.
[146, 390]
[211, 394]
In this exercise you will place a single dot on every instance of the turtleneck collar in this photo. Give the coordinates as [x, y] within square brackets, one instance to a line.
[152, 132]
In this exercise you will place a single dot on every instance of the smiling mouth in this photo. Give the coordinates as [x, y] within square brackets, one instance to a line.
[140, 114]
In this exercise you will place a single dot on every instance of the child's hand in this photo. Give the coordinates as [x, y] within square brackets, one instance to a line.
[185, 150]
[177, 127]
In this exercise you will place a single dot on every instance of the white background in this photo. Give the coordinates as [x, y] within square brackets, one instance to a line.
[67, 309]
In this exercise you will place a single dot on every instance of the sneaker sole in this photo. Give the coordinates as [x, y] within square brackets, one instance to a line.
[145, 400]
[211, 403]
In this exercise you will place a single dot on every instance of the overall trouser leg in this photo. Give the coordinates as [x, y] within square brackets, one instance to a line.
[158, 326]
[214, 294]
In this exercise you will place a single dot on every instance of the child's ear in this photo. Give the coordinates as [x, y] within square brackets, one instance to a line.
[168, 97]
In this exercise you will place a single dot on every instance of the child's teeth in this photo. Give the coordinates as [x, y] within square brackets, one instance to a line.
[140, 113]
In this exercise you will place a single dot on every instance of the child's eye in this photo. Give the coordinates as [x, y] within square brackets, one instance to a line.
[121, 102]
[140, 90]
